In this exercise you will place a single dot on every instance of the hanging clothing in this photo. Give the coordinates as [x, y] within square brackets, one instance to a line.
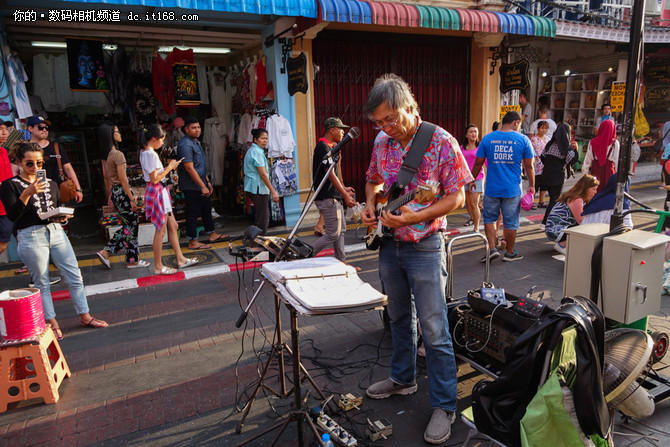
[44, 81]
[217, 89]
[203, 87]
[284, 179]
[163, 79]
[261, 82]
[17, 79]
[252, 83]
[280, 137]
[214, 140]
[145, 101]
[244, 131]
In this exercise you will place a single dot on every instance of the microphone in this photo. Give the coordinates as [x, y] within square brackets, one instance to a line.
[353, 133]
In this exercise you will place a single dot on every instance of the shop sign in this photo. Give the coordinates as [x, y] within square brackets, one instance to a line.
[296, 68]
[514, 76]
[505, 109]
[617, 96]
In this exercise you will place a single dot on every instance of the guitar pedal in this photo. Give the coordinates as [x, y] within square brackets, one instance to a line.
[493, 295]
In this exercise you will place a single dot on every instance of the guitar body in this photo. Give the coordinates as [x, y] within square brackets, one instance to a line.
[423, 194]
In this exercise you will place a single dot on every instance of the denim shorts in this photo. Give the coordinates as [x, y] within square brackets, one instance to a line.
[510, 207]
[6, 228]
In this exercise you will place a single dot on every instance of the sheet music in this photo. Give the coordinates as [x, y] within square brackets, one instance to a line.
[322, 285]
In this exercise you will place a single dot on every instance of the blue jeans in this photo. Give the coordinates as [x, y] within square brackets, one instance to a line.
[509, 206]
[414, 277]
[39, 244]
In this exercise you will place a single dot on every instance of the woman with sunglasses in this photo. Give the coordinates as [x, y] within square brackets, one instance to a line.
[40, 241]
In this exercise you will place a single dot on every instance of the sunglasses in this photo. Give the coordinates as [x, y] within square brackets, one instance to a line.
[43, 127]
[30, 164]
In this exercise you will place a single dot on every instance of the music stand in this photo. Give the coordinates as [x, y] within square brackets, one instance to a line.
[297, 414]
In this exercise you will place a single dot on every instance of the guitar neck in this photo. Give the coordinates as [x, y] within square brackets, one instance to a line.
[400, 201]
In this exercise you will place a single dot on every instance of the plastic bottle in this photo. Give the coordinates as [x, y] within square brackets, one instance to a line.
[326, 440]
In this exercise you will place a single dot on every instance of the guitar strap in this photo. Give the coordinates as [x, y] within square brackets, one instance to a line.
[413, 158]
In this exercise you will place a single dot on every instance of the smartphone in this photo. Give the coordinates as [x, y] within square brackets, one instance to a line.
[479, 186]
[41, 174]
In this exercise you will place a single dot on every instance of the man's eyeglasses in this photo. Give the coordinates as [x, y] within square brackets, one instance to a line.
[379, 125]
[43, 127]
[31, 164]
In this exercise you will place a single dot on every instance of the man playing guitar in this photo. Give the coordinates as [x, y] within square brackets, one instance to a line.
[412, 262]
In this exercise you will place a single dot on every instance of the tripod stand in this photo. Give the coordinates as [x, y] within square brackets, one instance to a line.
[297, 414]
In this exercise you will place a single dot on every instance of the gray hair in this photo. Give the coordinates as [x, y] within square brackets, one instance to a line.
[393, 90]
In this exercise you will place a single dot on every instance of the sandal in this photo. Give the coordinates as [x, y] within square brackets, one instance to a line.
[57, 333]
[221, 237]
[103, 260]
[542, 204]
[200, 247]
[21, 270]
[95, 323]
[189, 262]
[138, 265]
[533, 207]
[468, 223]
[166, 271]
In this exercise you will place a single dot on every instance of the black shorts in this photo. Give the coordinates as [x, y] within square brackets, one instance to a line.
[538, 183]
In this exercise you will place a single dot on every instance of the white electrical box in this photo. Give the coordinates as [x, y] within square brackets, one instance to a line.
[632, 275]
[582, 240]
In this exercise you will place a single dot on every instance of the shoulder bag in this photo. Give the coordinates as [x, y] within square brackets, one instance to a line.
[658, 147]
[66, 188]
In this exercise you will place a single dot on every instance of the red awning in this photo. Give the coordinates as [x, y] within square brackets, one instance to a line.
[394, 14]
[474, 20]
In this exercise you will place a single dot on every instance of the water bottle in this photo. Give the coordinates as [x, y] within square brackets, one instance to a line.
[326, 440]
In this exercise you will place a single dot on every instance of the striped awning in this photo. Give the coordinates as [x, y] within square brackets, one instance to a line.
[435, 17]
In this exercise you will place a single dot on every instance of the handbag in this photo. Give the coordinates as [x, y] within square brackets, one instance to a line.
[66, 188]
[658, 147]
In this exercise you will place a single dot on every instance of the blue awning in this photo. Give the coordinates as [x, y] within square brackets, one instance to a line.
[515, 24]
[348, 11]
[289, 8]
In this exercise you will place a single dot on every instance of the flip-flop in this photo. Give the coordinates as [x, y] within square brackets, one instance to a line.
[468, 223]
[95, 323]
[140, 264]
[58, 333]
[21, 270]
[200, 247]
[189, 262]
[222, 237]
[166, 271]
[104, 260]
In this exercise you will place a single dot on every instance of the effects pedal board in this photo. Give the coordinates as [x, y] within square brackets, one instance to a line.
[349, 401]
[379, 429]
[337, 434]
[529, 308]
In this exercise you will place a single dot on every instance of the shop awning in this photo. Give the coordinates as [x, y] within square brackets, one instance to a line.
[347, 11]
[394, 14]
[438, 18]
[474, 20]
[435, 17]
[290, 8]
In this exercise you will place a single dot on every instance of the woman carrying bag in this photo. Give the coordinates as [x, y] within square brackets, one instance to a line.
[559, 153]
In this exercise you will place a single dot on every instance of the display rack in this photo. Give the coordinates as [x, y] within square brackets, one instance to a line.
[577, 99]
[75, 145]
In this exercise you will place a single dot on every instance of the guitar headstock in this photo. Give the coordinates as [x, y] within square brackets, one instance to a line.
[426, 192]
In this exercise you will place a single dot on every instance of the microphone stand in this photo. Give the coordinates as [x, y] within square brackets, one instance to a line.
[282, 253]
[297, 414]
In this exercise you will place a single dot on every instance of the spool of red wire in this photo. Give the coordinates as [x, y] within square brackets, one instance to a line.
[21, 314]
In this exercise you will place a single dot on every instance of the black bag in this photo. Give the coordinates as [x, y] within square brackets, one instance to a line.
[499, 405]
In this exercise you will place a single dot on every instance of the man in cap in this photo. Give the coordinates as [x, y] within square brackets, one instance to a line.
[6, 173]
[194, 183]
[330, 199]
[39, 130]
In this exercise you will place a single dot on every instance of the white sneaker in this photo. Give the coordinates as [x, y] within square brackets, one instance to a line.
[542, 227]
[559, 249]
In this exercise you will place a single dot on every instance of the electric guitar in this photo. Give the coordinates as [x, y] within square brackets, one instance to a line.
[422, 194]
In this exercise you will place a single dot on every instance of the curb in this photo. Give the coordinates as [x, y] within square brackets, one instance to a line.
[153, 280]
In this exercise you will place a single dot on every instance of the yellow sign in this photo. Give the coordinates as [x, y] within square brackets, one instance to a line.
[617, 96]
[505, 109]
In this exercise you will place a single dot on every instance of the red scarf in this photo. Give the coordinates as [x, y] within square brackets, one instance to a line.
[605, 138]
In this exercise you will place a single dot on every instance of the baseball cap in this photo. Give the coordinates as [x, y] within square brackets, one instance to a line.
[7, 123]
[334, 122]
[35, 120]
[178, 122]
